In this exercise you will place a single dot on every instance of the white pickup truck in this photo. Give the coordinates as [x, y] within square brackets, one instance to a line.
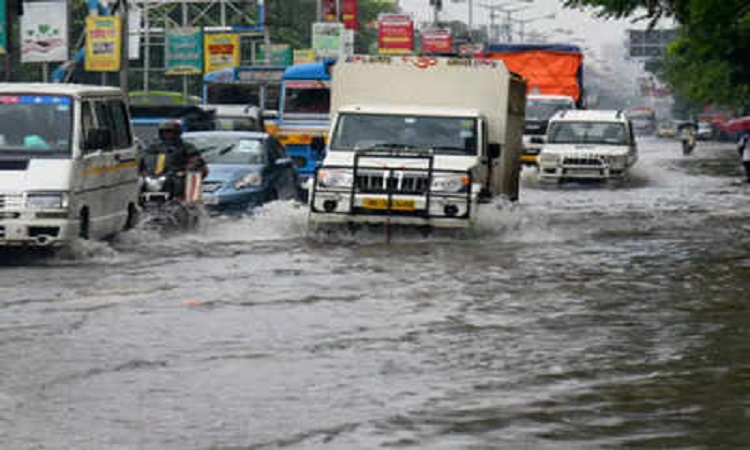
[418, 141]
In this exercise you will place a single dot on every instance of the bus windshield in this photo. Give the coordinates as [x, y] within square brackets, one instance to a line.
[241, 94]
[307, 97]
[38, 125]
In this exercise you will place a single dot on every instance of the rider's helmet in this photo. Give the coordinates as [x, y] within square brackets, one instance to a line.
[170, 130]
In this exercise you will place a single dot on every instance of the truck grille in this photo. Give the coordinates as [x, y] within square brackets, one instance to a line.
[588, 161]
[9, 201]
[395, 182]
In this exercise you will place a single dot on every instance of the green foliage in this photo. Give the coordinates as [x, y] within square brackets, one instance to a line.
[708, 62]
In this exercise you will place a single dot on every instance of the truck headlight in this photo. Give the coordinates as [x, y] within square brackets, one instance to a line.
[154, 184]
[453, 183]
[47, 200]
[547, 158]
[335, 178]
[253, 179]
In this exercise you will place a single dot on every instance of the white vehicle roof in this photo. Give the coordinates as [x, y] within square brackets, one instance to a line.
[589, 115]
[57, 89]
[565, 98]
[411, 110]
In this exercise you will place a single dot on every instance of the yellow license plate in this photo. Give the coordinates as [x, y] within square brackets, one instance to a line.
[397, 204]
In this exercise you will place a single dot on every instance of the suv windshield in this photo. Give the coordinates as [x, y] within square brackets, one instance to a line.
[544, 109]
[569, 132]
[36, 125]
[443, 135]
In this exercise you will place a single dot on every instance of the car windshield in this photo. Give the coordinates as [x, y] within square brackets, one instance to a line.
[570, 132]
[229, 149]
[37, 125]
[443, 135]
[307, 97]
[544, 109]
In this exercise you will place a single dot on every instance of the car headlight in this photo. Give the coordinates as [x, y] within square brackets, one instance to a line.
[47, 200]
[154, 184]
[335, 178]
[450, 183]
[253, 179]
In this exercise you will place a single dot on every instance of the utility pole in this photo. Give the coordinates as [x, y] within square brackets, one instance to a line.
[10, 15]
[124, 53]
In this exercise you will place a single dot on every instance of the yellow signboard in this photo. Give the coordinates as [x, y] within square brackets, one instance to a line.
[102, 44]
[304, 56]
[221, 51]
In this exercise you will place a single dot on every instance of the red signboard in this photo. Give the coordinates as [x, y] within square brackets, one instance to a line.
[348, 15]
[436, 41]
[395, 34]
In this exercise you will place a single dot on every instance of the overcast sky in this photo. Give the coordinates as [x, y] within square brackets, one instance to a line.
[603, 39]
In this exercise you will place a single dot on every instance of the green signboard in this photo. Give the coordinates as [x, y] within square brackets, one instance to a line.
[3, 29]
[278, 54]
[184, 51]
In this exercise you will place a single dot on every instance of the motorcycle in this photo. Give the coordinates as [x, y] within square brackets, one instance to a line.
[163, 207]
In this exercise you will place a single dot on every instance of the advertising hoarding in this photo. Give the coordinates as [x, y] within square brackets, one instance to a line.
[395, 34]
[221, 51]
[102, 44]
[44, 32]
[328, 39]
[436, 41]
[183, 51]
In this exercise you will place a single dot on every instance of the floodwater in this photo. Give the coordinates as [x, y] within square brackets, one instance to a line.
[586, 317]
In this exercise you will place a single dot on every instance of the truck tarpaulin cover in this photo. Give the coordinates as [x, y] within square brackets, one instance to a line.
[547, 69]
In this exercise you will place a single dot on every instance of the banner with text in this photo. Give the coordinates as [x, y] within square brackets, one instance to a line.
[436, 41]
[349, 14]
[221, 51]
[183, 52]
[395, 34]
[278, 54]
[102, 44]
[304, 56]
[44, 32]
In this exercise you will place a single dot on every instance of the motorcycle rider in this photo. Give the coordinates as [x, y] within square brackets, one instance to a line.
[172, 157]
[687, 135]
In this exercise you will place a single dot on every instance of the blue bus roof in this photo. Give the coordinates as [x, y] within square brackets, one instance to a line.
[307, 71]
[231, 74]
[508, 48]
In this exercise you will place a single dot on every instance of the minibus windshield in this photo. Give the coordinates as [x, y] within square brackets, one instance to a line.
[35, 125]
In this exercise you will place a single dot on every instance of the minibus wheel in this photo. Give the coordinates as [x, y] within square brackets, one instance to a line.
[84, 227]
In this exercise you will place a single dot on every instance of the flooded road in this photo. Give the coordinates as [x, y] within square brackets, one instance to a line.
[587, 317]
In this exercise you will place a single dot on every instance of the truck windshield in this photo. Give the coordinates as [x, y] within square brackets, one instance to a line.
[537, 109]
[241, 94]
[443, 135]
[569, 132]
[37, 125]
[307, 97]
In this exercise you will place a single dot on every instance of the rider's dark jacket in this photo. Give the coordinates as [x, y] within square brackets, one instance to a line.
[180, 156]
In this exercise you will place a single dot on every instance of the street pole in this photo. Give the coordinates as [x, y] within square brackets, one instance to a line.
[146, 48]
[9, 38]
[124, 53]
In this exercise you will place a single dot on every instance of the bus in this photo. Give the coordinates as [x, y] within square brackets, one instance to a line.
[304, 114]
[643, 120]
[258, 86]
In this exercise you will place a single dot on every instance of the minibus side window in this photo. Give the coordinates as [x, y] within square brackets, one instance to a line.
[87, 124]
[121, 137]
[104, 121]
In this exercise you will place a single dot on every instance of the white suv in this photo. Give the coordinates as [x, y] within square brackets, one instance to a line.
[587, 144]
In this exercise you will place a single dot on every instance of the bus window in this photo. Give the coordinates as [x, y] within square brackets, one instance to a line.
[307, 97]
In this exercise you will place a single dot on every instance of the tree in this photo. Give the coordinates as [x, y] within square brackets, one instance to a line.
[707, 62]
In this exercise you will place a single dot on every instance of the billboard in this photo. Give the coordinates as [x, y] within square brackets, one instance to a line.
[44, 32]
[102, 44]
[221, 51]
[328, 39]
[304, 56]
[349, 14]
[436, 41]
[649, 43]
[395, 34]
[183, 51]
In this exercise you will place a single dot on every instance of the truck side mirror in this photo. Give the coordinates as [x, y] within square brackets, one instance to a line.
[493, 150]
[318, 144]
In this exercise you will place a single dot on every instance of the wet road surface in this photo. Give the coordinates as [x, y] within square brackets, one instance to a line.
[585, 317]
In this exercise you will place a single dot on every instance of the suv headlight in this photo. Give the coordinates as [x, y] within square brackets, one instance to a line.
[335, 178]
[453, 183]
[47, 200]
[253, 179]
[154, 184]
